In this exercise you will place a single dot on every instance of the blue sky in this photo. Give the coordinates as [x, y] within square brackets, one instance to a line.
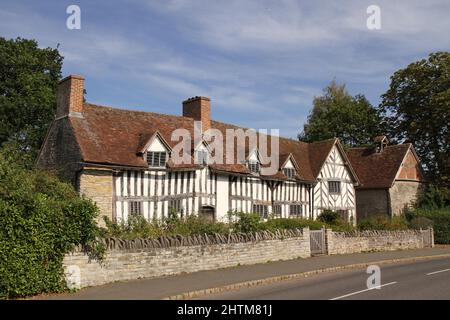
[261, 62]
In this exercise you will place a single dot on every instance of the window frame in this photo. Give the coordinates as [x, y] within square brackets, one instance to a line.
[334, 187]
[151, 155]
[279, 208]
[204, 158]
[296, 213]
[251, 164]
[261, 209]
[176, 204]
[135, 207]
[292, 172]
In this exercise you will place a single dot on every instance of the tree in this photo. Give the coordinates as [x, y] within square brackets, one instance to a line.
[416, 108]
[28, 82]
[337, 114]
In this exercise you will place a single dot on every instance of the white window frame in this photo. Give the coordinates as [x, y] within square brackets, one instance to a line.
[289, 173]
[252, 165]
[152, 156]
[202, 157]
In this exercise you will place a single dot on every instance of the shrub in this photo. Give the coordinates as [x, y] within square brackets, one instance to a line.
[135, 227]
[440, 219]
[294, 223]
[194, 224]
[329, 217]
[41, 219]
[138, 227]
[245, 222]
[333, 220]
[383, 222]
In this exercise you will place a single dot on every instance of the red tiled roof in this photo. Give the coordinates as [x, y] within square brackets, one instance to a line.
[377, 169]
[113, 136]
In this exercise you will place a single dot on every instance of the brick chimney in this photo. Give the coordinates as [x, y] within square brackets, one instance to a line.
[70, 95]
[198, 108]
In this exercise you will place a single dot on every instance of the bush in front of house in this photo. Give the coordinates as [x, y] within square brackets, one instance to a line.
[41, 219]
[439, 219]
[292, 223]
[383, 222]
[238, 222]
[333, 220]
[137, 226]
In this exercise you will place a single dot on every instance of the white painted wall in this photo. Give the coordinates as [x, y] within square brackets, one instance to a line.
[222, 198]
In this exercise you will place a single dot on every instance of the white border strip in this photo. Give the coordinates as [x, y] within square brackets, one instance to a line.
[429, 274]
[365, 290]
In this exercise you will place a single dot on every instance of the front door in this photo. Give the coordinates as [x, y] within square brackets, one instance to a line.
[207, 212]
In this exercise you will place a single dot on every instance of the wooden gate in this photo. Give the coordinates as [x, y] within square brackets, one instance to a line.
[428, 238]
[317, 241]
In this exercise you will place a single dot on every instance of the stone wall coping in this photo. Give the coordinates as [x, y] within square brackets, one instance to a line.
[377, 233]
[113, 244]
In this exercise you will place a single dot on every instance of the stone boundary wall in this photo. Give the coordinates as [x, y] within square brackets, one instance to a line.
[369, 241]
[146, 258]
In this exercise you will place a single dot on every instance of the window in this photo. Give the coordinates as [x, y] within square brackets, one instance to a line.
[202, 157]
[175, 206]
[156, 159]
[343, 214]
[334, 187]
[135, 207]
[262, 210]
[295, 210]
[253, 166]
[276, 210]
[289, 172]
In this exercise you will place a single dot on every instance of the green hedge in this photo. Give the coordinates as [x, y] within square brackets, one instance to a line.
[285, 223]
[438, 218]
[383, 222]
[137, 227]
[41, 219]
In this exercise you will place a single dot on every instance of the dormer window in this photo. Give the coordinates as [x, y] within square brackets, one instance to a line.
[156, 159]
[254, 166]
[289, 173]
[202, 157]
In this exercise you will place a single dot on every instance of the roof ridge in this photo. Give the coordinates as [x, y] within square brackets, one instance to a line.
[131, 110]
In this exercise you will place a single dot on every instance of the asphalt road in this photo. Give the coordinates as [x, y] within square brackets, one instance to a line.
[417, 280]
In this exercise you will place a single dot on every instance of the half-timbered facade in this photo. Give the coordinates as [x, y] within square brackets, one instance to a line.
[335, 186]
[122, 159]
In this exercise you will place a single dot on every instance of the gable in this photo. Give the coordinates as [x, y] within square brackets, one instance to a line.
[410, 168]
[335, 167]
[289, 164]
[253, 156]
[157, 146]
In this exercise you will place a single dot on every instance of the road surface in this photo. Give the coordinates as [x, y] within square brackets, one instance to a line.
[417, 280]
